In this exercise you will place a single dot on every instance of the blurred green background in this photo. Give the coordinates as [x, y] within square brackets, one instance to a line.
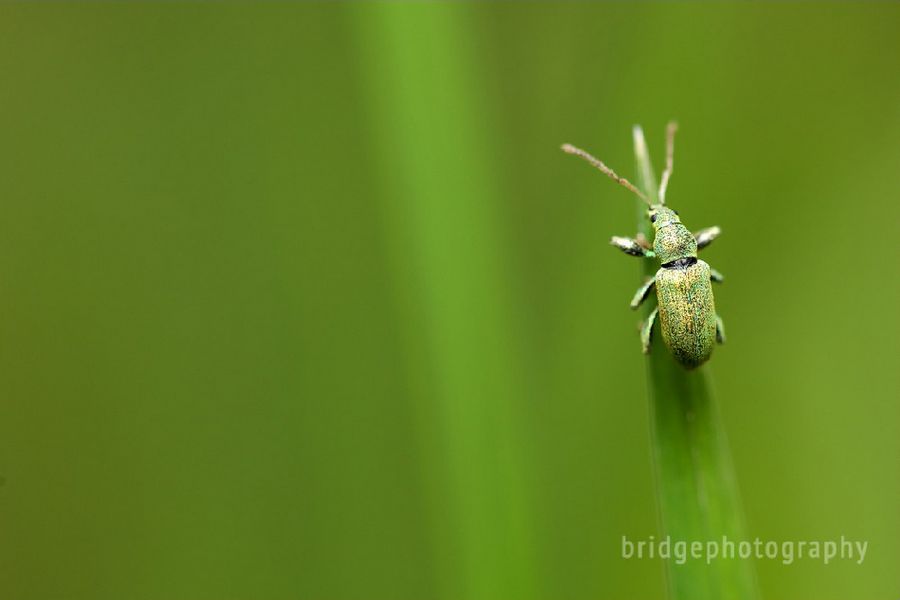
[303, 301]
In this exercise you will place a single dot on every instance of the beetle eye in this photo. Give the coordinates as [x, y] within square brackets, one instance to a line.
[653, 218]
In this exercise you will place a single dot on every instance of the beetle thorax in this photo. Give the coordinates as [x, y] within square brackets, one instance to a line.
[674, 241]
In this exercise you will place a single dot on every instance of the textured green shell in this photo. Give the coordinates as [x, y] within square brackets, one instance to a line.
[687, 313]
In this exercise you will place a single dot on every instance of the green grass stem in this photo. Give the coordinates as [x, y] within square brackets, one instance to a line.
[455, 287]
[695, 483]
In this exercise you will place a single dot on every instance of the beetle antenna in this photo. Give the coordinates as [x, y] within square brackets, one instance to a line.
[670, 153]
[570, 149]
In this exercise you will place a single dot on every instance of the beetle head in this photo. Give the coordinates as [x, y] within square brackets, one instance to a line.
[662, 216]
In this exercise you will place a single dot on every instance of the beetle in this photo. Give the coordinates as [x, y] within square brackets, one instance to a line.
[685, 305]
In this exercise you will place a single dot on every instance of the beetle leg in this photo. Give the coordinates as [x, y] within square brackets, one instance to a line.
[631, 246]
[647, 331]
[705, 237]
[715, 276]
[720, 330]
[642, 293]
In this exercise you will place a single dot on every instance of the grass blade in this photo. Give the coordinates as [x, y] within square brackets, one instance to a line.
[695, 484]
[454, 286]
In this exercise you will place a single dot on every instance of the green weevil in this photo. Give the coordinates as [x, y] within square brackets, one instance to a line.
[684, 298]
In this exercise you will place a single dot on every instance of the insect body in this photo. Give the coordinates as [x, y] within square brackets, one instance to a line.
[685, 306]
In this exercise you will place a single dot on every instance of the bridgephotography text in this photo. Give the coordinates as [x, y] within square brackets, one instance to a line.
[786, 551]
